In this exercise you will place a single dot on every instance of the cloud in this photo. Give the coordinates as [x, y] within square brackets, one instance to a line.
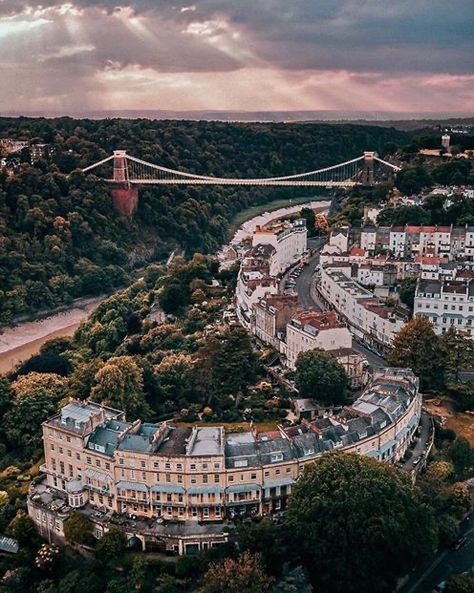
[245, 54]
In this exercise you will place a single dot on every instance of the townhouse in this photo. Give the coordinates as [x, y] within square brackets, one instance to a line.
[179, 488]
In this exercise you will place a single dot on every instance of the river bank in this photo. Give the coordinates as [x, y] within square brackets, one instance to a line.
[18, 342]
[21, 340]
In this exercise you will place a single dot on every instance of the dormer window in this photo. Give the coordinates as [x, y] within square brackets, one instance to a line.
[275, 457]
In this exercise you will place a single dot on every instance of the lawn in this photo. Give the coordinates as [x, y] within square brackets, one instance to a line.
[460, 422]
[252, 211]
[242, 426]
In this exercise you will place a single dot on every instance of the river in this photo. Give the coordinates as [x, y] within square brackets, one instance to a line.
[20, 341]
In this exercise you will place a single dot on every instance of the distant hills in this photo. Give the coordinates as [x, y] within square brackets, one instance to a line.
[406, 121]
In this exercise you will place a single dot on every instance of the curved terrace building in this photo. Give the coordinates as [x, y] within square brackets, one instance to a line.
[177, 488]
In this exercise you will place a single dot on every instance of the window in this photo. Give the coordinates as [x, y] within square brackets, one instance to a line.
[78, 456]
[193, 480]
[143, 464]
[121, 461]
[205, 511]
[167, 465]
[253, 476]
[52, 446]
[276, 457]
[231, 478]
[155, 464]
[61, 450]
[204, 478]
[168, 477]
[180, 479]
[216, 465]
[204, 466]
[192, 466]
[97, 462]
[179, 466]
[216, 478]
[107, 465]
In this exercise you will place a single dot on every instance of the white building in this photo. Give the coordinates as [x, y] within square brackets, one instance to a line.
[313, 330]
[288, 239]
[340, 238]
[369, 319]
[447, 304]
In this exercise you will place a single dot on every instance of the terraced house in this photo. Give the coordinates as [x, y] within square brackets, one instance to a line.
[179, 488]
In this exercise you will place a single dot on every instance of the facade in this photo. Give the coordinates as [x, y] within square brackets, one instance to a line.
[447, 304]
[274, 249]
[288, 239]
[271, 315]
[369, 319]
[176, 489]
[311, 330]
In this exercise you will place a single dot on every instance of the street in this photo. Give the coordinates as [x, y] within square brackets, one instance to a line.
[444, 564]
[309, 300]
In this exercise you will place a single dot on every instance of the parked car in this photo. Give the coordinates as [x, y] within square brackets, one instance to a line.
[459, 543]
[440, 587]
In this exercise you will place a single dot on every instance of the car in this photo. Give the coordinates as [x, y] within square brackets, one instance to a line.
[440, 587]
[459, 543]
[416, 461]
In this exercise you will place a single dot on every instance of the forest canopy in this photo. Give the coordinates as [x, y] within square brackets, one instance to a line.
[60, 237]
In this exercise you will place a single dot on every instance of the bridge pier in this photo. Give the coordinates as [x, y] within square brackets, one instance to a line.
[368, 175]
[124, 195]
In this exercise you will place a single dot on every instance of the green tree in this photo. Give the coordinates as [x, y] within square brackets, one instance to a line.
[244, 574]
[459, 353]
[461, 455]
[347, 515]
[227, 363]
[460, 583]
[320, 376]
[407, 291]
[78, 529]
[111, 545]
[119, 384]
[416, 346]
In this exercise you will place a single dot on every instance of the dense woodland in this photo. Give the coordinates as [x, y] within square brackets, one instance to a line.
[61, 239]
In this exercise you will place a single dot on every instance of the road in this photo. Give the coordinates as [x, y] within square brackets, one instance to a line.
[309, 300]
[445, 564]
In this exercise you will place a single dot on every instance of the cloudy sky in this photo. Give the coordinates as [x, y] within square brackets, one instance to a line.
[391, 55]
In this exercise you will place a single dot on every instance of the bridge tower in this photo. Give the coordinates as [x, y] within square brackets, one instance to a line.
[124, 195]
[368, 175]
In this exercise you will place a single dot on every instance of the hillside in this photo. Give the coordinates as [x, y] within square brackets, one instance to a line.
[60, 238]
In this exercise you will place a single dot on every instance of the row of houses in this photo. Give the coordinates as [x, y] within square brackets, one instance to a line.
[275, 247]
[279, 321]
[353, 278]
[175, 488]
[452, 242]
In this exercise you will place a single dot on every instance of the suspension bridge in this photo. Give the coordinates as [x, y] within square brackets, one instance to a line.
[129, 172]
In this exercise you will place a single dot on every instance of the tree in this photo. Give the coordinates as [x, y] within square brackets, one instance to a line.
[119, 384]
[461, 454]
[407, 291]
[459, 353]
[36, 397]
[47, 362]
[111, 545]
[460, 583]
[78, 529]
[413, 179]
[294, 581]
[244, 574]
[320, 376]
[347, 515]
[309, 216]
[416, 346]
[227, 363]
